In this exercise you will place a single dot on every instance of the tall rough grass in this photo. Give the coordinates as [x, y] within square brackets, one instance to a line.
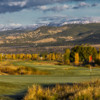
[81, 91]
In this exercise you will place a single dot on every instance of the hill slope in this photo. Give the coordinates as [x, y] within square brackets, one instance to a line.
[44, 36]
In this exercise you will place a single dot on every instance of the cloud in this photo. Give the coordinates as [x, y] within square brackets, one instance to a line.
[53, 9]
[68, 19]
[18, 5]
[59, 8]
[95, 4]
[84, 5]
[15, 25]
[51, 19]
[42, 7]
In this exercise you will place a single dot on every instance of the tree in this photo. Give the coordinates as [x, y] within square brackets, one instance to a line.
[28, 56]
[66, 56]
[8, 56]
[0, 57]
[84, 53]
[53, 56]
[97, 61]
[49, 56]
[35, 56]
[90, 59]
[21, 56]
[76, 58]
[13, 56]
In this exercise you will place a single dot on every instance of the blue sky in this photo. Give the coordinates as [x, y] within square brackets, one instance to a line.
[28, 12]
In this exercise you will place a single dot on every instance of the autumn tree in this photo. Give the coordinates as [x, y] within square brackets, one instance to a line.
[53, 56]
[84, 53]
[8, 56]
[76, 58]
[49, 56]
[21, 56]
[35, 56]
[13, 56]
[90, 59]
[0, 57]
[28, 56]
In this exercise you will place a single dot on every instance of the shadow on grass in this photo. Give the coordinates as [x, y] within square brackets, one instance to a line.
[17, 96]
[21, 95]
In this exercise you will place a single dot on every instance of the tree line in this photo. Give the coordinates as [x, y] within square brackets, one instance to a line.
[82, 54]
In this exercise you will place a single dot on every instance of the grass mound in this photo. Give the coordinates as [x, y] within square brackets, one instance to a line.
[20, 71]
[81, 91]
[7, 68]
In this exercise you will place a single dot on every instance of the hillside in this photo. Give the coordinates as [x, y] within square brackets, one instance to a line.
[72, 34]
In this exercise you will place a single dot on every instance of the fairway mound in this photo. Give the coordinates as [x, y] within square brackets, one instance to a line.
[78, 91]
[20, 70]
[7, 68]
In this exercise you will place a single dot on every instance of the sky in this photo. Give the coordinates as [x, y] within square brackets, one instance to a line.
[29, 12]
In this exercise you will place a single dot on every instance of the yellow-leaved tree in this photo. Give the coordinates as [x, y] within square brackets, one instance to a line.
[76, 58]
[0, 57]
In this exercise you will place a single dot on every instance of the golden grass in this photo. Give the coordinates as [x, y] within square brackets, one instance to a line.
[45, 40]
[6, 68]
[81, 91]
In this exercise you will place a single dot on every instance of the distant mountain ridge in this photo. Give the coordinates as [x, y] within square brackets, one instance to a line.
[61, 22]
[71, 34]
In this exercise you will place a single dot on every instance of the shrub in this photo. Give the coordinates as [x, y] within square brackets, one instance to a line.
[80, 91]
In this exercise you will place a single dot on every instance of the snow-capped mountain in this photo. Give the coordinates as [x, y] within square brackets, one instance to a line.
[57, 22]
[18, 27]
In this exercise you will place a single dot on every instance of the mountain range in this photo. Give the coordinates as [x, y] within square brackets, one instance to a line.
[57, 22]
[50, 36]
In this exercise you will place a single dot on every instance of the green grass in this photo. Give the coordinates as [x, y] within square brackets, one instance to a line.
[17, 84]
[61, 70]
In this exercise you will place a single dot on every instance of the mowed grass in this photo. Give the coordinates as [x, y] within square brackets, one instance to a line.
[60, 70]
[17, 85]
